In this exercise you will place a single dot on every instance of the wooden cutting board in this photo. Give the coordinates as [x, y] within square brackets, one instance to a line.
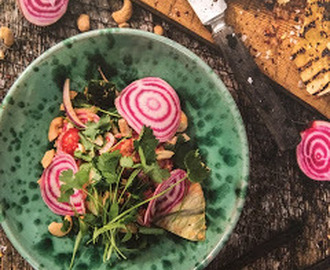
[270, 39]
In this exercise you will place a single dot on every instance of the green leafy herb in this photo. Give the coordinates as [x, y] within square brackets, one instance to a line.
[95, 128]
[147, 144]
[83, 156]
[181, 149]
[101, 93]
[146, 147]
[196, 169]
[126, 162]
[153, 231]
[156, 173]
[114, 210]
[71, 181]
[66, 225]
[87, 143]
[127, 236]
[107, 164]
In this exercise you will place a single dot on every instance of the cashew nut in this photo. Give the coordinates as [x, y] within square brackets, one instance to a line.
[48, 157]
[158, 29]
[55, 128]
[125, 130]
[7, 35]
[186, 137]
[183, 122]
[73, 94]
[83, 23]
[164, 154]
[124, 25]
[124, 14]
[2, 55]
[55, 228]
[99, 140]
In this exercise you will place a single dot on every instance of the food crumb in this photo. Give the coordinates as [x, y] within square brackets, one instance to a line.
[158, 29]
[83, 23]
[244, 37]
[250, 80]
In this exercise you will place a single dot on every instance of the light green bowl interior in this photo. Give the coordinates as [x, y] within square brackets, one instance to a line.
[124, 55]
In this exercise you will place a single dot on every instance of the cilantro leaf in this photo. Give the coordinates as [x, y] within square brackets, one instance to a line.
[181, 149]
[127, 236]
[89, 145]
[114, 211]
[65, 195]
[196, 169]
[107, 164]
[126, 162]
[66, 225]
[93, 129]
[71, 182]
[156, 173]
[83, 156]
[147, 144]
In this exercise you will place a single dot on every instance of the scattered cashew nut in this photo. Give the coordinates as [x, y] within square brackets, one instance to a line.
[55, 128]
[7, 35]
[48, 157]
[125, 130]
[164, 154]
[55, 228]
[83, 23]
[183, 122]
[124, 14]
[158, 29]
[124, 25]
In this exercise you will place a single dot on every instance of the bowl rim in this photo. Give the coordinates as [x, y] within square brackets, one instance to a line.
[240, 200]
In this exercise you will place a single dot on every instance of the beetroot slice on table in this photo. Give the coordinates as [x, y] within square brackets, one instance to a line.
[165, 203]
[50, 187]
[313, 152]
[43, 12]
[150, 102]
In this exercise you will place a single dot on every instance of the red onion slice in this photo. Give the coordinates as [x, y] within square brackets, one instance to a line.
[165, 203]
[50, 187]
[43, 12]
[313, 152]
[150, 102]
[68, 106]
[86, 115]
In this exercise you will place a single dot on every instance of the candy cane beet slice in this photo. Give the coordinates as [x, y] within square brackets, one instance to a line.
[50, 187]
[313, 152]
[166, 202]
[43, 12]
[150, 102]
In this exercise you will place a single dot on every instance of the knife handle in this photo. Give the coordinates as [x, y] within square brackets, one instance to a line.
[258, 89]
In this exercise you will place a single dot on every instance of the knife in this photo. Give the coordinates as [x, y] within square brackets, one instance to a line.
[256, 85]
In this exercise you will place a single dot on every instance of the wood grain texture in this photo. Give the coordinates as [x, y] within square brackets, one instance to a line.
[278, 192]
[181, 12]
[269, 37]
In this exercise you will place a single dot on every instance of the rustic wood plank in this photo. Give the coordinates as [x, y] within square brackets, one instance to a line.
[253, 20]
[181, 12]
[278, 191]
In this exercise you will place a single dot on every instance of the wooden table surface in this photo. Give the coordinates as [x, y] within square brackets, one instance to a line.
[285, 223]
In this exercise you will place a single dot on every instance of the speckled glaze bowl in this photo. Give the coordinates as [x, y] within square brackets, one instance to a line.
[124, 55]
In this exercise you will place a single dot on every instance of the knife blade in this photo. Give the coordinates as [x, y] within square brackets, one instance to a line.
[256, 85]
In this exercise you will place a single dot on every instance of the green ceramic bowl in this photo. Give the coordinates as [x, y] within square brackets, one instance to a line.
[124, 55]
